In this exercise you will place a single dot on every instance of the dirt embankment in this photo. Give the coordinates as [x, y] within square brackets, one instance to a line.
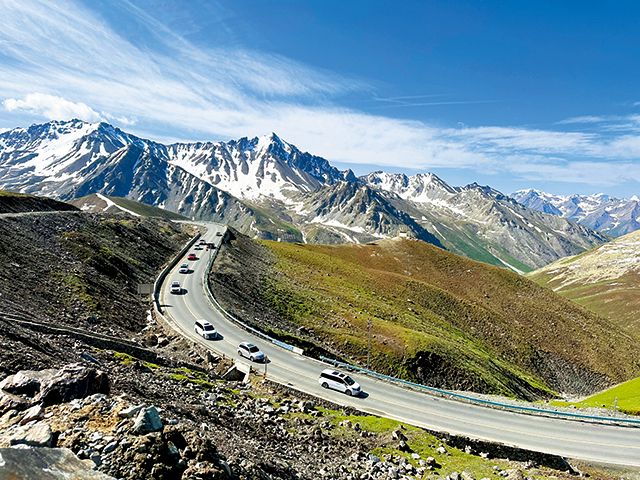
[80, 270]
[11, 202]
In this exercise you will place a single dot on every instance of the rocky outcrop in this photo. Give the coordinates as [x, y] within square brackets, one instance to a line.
[50, 387]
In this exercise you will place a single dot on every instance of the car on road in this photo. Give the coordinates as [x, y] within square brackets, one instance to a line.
[184, 268]
[335, 380]
[176, 288]
[197, 246]
[204, 328]
[202, 242]
[218, 234]
[250, 351]
[192, 256]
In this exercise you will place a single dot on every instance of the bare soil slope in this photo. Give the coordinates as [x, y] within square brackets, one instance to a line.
[438, 318]
[11, 202]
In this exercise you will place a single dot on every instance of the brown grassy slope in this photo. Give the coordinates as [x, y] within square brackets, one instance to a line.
[605, 280]
[465, 324]
[82, 270]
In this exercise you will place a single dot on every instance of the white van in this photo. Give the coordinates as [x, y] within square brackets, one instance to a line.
[339, 381]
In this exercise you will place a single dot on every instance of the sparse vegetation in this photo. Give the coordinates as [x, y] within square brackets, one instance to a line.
[438, 319]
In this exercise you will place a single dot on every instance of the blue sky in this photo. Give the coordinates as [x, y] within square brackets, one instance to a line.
[510, 94]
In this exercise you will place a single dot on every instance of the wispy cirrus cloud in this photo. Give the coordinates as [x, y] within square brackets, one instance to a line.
[64, 60]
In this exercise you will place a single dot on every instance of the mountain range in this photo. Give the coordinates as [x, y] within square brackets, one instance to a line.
[269, 189]
[600, 212]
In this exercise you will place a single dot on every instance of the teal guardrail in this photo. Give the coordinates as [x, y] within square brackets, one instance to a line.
[239, 322]
[480, 401]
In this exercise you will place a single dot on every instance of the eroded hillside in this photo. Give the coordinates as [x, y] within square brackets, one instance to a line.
[438, 318]
[604, 280]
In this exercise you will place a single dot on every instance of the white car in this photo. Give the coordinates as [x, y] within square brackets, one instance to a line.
[204, 328]
[176, 288]
[253, 353]
[184, 268]
[339, 381]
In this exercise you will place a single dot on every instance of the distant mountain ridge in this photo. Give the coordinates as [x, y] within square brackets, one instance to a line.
[601, 212]
[268, 188]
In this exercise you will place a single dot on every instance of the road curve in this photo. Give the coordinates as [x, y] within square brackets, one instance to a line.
[568, 438]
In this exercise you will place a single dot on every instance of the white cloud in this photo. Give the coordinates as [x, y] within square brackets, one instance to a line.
[52, 107]
[67, 52]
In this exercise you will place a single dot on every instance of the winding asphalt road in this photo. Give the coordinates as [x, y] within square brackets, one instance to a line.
[605, 443]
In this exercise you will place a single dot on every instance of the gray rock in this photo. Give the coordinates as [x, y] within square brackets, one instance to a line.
[441, 450]
[415, 456]
[37, 462]
[35, 435]
[466, 475]
[148, 420]
[454, 476]
[130, 411]
[71, 382]
[34, 413]
[27, 382]
[9, 401]
[393, 472]
[96, 458]
[374, 458]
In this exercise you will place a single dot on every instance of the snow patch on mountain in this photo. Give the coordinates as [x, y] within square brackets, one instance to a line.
[599, 211]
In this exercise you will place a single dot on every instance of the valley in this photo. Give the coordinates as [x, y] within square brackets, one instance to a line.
[106, 255]
[267, 188]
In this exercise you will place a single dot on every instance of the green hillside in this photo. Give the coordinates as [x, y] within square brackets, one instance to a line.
[438, 318]
[605, 280]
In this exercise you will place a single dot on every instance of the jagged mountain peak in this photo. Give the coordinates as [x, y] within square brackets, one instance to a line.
[598, 211]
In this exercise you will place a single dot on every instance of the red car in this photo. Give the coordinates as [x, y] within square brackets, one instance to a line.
[192, 256]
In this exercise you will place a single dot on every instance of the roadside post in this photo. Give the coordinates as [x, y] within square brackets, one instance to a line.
[369, 347]
[266, 362]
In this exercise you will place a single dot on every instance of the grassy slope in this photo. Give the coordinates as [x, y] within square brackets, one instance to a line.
[625, 396]
[605, 280]
[445, 320]
[145, 210]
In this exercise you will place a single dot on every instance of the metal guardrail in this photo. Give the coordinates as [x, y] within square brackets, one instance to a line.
[480, 401]
[239, 322]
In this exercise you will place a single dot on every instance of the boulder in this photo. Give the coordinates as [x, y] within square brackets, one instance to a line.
[147, 421]
[131, 411]
[71, 382]
[38, 462]
[34, 413]
[27, 382]
[9, 401]
[35, 435]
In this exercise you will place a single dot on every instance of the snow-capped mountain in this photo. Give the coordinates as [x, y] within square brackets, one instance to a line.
[480, 222]
[57, 158]
[353, 212]
[268, 188]
[603, 213]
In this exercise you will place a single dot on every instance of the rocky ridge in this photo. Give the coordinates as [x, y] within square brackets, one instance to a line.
[268, 188]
